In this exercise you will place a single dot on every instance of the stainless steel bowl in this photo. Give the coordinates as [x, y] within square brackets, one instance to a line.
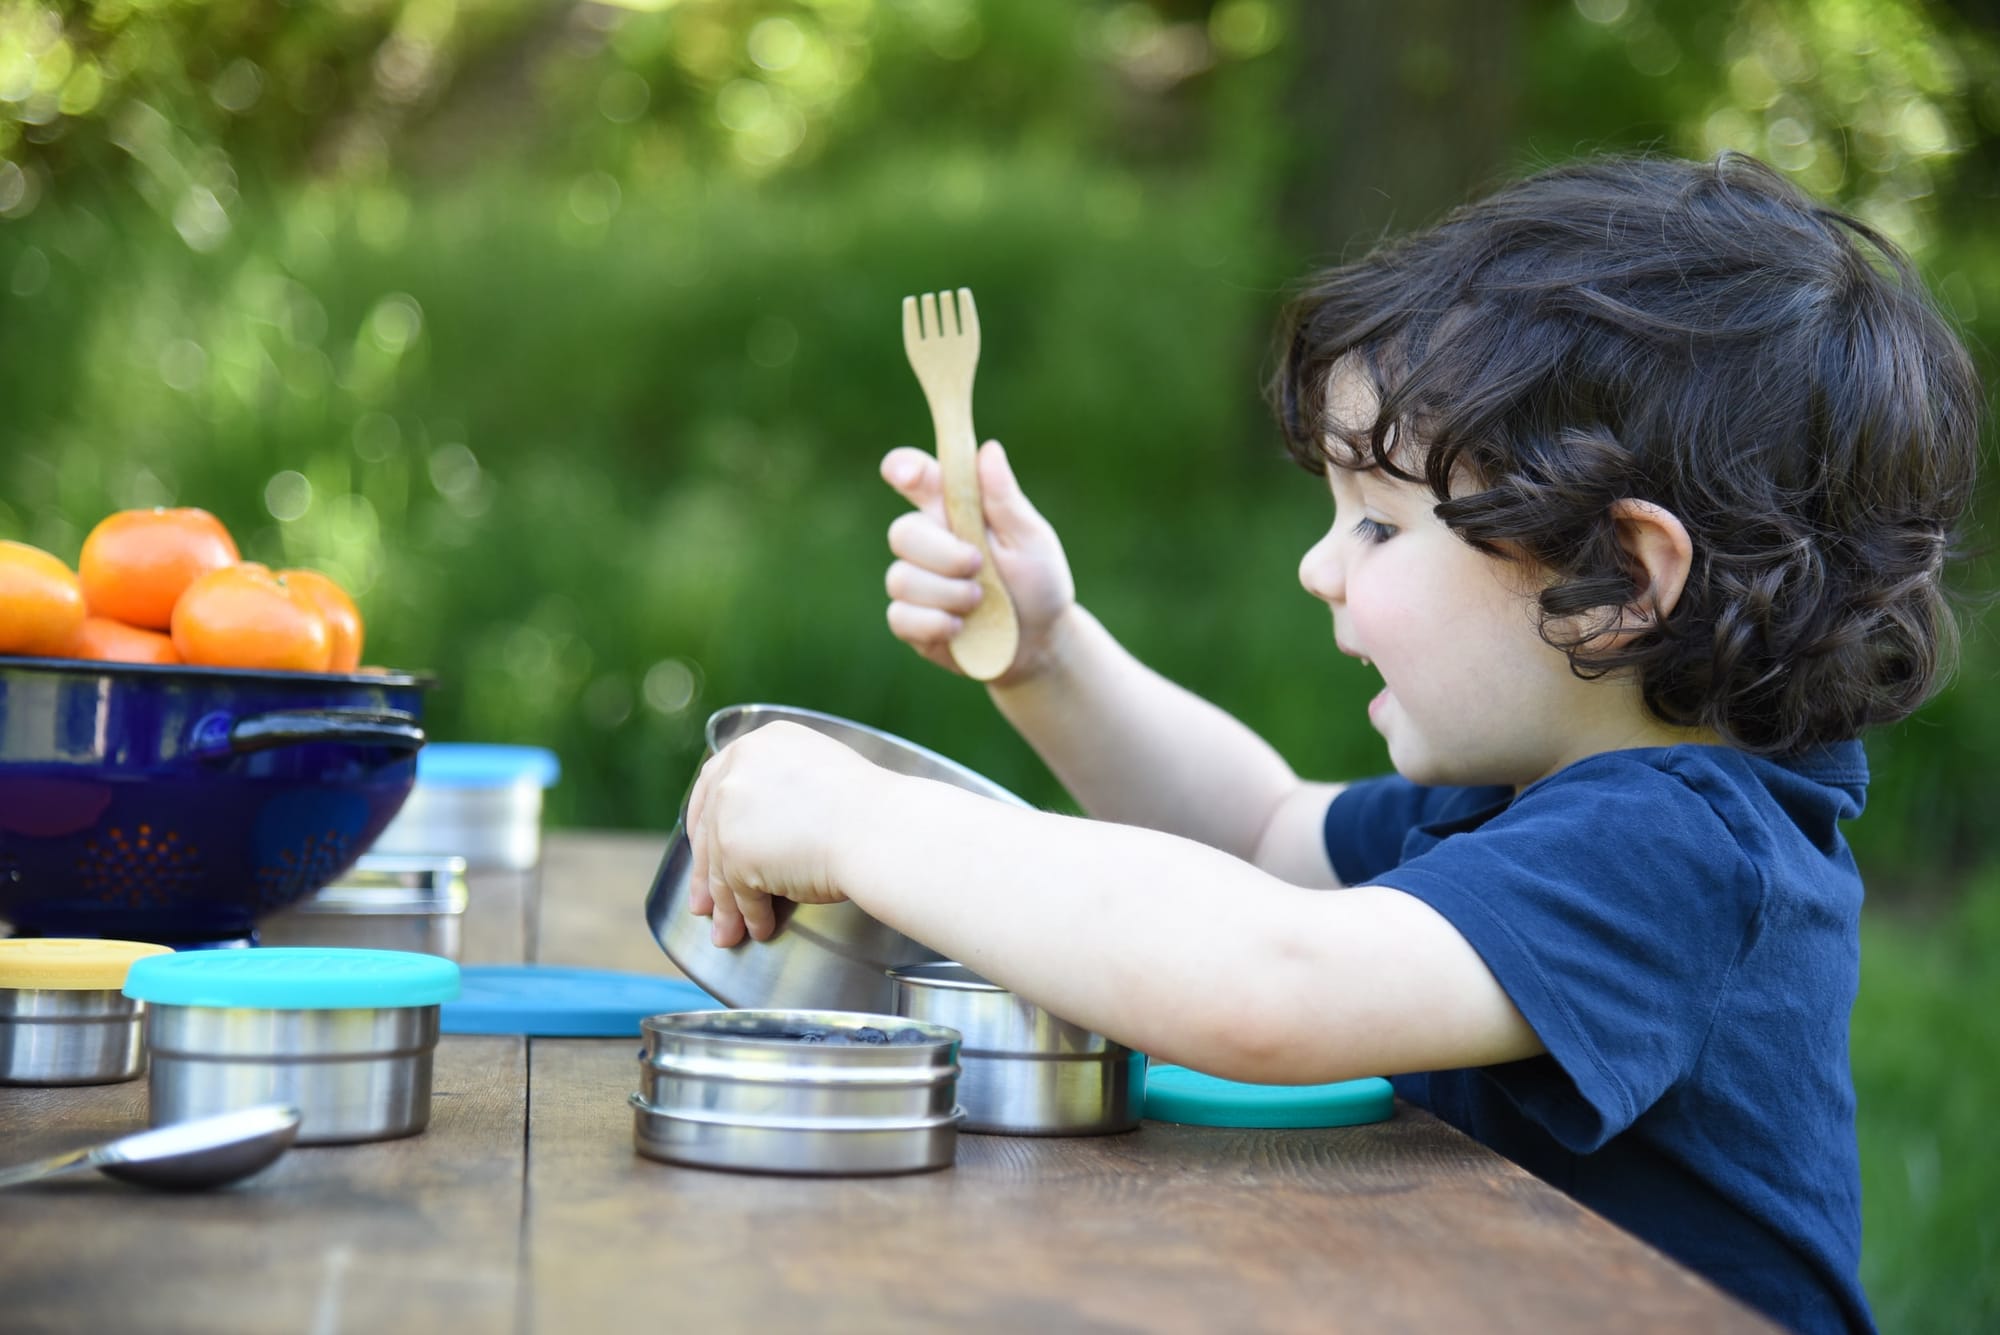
[744, 1090]
[60, 1036]
[824, 955]
[387, 902]
[1024, 1072]
[354, 1074]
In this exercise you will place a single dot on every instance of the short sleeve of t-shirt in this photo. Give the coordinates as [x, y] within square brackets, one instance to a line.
[1611, 901]
[1367, 825]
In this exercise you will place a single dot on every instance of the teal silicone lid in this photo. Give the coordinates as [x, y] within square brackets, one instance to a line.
[559, 1002]
[486, 765]
[1176, 1094]
[295, 978]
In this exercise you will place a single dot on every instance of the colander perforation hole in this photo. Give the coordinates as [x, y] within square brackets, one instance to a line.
[297, 871]
[142, 868]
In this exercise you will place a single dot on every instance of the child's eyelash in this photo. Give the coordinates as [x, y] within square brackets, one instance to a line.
[1374, 530]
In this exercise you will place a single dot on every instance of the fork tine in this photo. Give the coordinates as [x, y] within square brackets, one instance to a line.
[941, 336]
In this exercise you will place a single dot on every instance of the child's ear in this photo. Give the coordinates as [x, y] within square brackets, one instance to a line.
[1659, 554]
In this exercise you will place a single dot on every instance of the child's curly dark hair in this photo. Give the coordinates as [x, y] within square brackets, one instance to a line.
[1704, 337]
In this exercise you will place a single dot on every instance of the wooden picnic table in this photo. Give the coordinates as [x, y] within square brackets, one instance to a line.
[523, 1208]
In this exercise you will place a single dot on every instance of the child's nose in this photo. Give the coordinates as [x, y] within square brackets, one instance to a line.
[1322, 572]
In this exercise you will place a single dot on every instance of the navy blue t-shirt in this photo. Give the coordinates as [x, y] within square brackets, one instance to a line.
[1680, 927]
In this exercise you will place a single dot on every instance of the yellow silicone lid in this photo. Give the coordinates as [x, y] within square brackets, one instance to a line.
[70, 964]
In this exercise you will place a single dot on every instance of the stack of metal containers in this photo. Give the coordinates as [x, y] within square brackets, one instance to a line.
[865, 1052]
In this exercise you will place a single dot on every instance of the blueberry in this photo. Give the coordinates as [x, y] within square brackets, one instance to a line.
[869, 1035]
[910, 1036]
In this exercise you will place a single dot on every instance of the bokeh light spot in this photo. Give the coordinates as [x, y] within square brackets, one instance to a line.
[670, 686]
[183, 364]
[623, 97]
[288, 495]
[777, 44]
[395, 323]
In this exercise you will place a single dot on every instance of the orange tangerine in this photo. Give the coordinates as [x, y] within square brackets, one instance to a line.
[114, 641]
[136, 563]
[41, 601]
[343, 618]
[245, 616]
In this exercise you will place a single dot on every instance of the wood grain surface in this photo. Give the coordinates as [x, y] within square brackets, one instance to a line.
[1402, 1226]
[524, 1208]
[421, 1233]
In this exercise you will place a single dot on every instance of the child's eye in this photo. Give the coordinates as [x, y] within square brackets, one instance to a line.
[1374, 530]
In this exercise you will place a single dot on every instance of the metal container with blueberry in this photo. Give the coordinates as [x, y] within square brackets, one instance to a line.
[819, 1093]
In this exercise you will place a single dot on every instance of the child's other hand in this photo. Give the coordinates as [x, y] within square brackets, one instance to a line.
[766, 813]
[931, 584]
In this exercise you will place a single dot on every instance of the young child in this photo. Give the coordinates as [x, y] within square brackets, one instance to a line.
[1644, 475]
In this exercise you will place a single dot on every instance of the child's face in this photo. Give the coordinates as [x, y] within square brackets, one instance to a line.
[1471, 693]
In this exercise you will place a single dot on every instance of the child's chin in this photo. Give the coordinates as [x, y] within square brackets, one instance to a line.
[1417, 768]
[1426, 768]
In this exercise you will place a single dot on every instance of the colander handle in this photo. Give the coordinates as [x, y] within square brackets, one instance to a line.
[219, 735]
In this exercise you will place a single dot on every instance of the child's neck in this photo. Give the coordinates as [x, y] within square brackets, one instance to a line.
[1633, 730]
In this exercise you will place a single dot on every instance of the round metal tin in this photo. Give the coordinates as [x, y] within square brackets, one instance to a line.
[1024, 1072]
[753, 1091]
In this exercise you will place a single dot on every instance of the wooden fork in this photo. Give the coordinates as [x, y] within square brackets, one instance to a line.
[942, 339]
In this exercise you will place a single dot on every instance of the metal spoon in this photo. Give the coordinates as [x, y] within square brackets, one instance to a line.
[203, 1152]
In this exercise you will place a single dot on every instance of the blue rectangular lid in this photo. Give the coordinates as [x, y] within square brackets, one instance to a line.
[486, 765]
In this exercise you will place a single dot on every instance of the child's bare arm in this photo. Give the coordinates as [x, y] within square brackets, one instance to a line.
[1160, 942]
[1129, 745]
[1133, 747]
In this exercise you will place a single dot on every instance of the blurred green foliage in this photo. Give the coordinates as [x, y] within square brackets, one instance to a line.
[562, 333]
[566, 336]
[1926, 1074]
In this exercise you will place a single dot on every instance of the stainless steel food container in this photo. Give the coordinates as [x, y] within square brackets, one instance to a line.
[63, 1020]
[65, 1037]
[386, 902]
[824, 955]
[476, 800]
[740, 1090]
[355, 1075]
[346, 1036]
[1023, 1071]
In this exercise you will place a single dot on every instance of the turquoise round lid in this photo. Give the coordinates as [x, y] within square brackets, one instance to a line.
[1176, 1094]
[554, 1002]
[486, 765]
[295, 978]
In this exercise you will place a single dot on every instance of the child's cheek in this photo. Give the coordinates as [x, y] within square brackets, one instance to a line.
[1385, 618]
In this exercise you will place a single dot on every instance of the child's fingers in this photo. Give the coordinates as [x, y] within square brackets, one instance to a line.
[709, 891]
[1009, 513]
[912, 584]
[916, 477]
[726, 918]
[726, 923]
[760, 915]
[926, 629]
[924, 541]
[701, 901]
